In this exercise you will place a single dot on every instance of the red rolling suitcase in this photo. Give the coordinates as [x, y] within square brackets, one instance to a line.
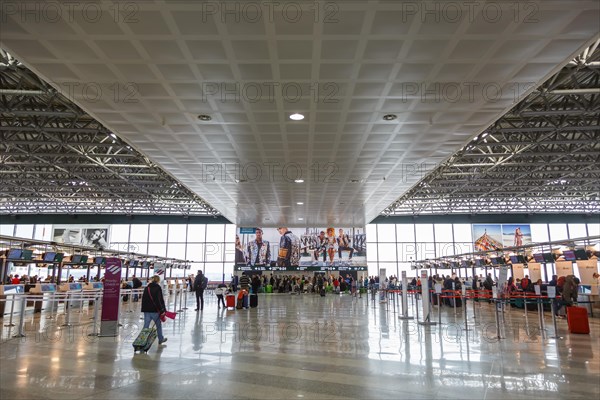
[230, 301]
[577, 318]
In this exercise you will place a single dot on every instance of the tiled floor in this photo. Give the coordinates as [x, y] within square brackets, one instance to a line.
[305, 347]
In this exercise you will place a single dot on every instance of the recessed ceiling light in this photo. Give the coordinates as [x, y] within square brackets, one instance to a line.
[297, 117]
[300, 219]
[299, 181]
[300, 203]
[389, 117]
[204, 117]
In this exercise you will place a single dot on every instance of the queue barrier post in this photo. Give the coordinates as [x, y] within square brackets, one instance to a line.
[95, 317]
[464, 298]
[474, 308]
[416, 298]
[553, 309]
[185, 301]
[541, 317]
[496, 312]
[12, 308]
[405, 304]
[439, 309]
[21, 332]
[67, 310]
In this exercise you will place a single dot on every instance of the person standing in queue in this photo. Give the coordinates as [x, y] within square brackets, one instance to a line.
[200, 284]
[153, 305]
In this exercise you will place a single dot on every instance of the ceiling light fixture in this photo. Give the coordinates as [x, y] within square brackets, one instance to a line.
[300, 219]
[300, 203]
[297, 117]
[204, 117]
[389, 117]
[299, 181]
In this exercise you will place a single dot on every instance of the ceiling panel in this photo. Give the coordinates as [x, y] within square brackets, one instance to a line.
[353, 66]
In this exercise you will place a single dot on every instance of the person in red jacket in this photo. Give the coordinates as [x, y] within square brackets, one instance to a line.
[525, 282]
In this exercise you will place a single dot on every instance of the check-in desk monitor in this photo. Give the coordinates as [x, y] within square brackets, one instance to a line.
[43, 288]
[12, 289]
[70, 287]
[93, 286]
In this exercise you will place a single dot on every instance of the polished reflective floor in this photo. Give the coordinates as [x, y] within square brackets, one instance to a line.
[305, 347]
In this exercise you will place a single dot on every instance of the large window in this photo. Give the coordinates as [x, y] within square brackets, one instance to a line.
[396, 246]
[208, 247]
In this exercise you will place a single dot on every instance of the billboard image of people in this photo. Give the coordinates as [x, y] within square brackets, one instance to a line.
[514, 235]
[284, 246]
[84, 235]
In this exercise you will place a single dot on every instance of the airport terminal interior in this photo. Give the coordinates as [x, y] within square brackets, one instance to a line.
[330, 199]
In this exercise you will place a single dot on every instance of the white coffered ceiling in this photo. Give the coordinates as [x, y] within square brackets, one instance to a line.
[147, 69]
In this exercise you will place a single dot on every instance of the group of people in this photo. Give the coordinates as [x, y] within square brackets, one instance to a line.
[326, 245]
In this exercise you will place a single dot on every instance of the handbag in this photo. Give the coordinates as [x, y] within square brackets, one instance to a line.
[170, 314]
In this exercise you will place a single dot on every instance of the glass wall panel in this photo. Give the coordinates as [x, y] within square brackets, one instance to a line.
[462, 232]
[139, 233]
[215, 233]
[387, 252]
[424, 232]
[158, 233]
[214, 252]
[7, 229]
[405, 232]
[196, 233]
[214, 271]
[425, 250]
[142, 248]
[371, 233]
[43, 232]
[177, 233]
[195, 252]
[230, 252]
[593, 229]
[371, 251]
[539, 233]
[443, 233]
[176, 250]
[230, 231]
[157, 249]
[120, 233]
[24, 231]
[407, 252]
[577, 231]
[386, 233]
[558, 232]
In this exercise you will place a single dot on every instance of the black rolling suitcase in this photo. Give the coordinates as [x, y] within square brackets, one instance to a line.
[323, 291]
[253, 300]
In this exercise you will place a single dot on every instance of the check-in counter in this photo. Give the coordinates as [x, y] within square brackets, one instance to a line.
[72, 287]
[8, 290]
[93, 286]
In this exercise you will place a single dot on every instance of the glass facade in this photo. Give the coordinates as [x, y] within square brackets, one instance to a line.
[208, 247]
[395, 246]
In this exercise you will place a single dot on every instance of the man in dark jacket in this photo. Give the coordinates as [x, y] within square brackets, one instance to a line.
[200, 283]
[153, 305]
[137, 284]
